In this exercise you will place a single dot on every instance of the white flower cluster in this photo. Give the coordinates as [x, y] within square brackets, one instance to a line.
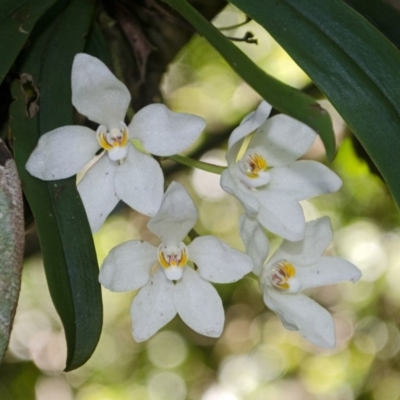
[174, 278]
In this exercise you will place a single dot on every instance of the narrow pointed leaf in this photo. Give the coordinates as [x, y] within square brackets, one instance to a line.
[17, 18]
[43, 102]
[350, 61]
[12, 234]
[283, 97]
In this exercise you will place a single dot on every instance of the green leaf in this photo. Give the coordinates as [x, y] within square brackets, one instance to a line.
[43, 102]
[385, 17]
[96, 45]
[17, 18]
[12, 238]
[284, 98]
[350, 61]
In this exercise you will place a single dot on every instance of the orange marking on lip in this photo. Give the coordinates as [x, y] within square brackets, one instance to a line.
[102, 139]
[257, 164]
[119, 141]
[172, 260]
[282, 273]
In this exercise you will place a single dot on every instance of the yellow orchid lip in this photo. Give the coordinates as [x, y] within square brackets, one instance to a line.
[255, 163]
[172, 257]
[115, 138]
[252, 170]
[282, 273]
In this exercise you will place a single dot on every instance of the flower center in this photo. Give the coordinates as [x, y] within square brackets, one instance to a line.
[114, 141]
[254, 164]
[173, 259]
[282, 276]
[252, 170]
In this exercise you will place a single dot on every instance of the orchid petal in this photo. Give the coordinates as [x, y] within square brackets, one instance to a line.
[314, 323]
[245, 196]
[217, 262]
[327, 271]
[97, 191]
[97, 93]
[255, 240]
[281, 214]
[62, 152]
[127, 266]
[199, 304]
[250, 123]
[318, 235]
[139, 182]
[304, 179]
[163, 132]
[282, 140]
[176, 216]
[153, 307]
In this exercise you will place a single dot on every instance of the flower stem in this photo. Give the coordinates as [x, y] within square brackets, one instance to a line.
[190, 162]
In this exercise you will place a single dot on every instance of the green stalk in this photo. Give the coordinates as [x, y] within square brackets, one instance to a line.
[189, 162]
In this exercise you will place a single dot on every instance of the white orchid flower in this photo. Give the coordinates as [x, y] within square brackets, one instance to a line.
[123, 172]
[297, 266]
[168, 285]
[267, 179]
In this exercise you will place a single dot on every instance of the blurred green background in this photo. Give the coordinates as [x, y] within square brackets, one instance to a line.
[255, 358]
